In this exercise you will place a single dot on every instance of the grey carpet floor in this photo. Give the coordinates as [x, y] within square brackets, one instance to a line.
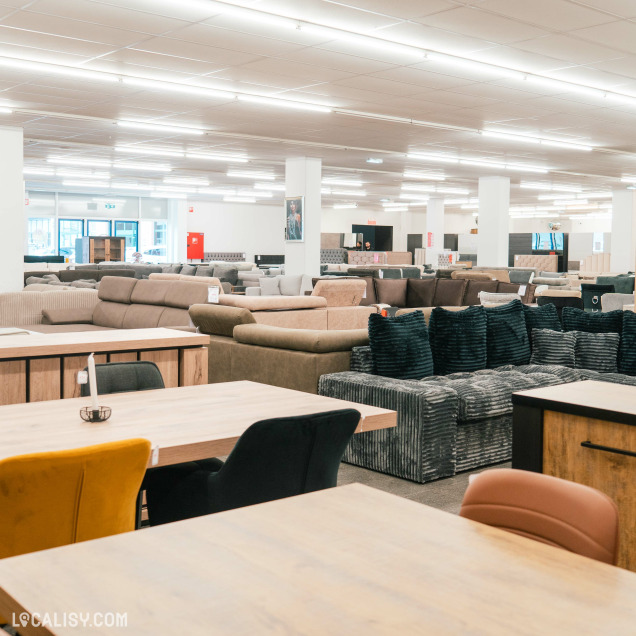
[445, 494]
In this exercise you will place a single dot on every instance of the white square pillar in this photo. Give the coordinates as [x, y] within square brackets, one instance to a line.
[623, 254]
[12, 215]
[494, 221]
[434, 237]
[302, 179]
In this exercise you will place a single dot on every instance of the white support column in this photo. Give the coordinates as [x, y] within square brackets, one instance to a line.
[434, 237]
[302, 179]
[177, 238]
[12, 215]
[494, 220]
[623, 250]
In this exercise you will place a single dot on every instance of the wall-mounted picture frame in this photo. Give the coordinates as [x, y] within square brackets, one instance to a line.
[295, 219]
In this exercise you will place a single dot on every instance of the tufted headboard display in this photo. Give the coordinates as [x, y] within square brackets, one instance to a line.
[356, 257]
[596, 263]
[228, 257]
[543, 262]
[333, 256]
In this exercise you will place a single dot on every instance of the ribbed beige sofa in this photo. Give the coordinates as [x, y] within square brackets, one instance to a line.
[25, 308]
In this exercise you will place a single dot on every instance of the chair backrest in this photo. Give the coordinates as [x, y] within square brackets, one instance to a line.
[591, 295]
[611, 302]
[122, 377]
[547, 509]
[53, 499]
[283, 457]
[560, 302]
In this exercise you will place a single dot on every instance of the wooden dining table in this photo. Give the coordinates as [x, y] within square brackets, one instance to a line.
[183, 423]
[349, 560]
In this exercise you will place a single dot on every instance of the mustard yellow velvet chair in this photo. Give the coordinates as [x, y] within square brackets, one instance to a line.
[56, 498]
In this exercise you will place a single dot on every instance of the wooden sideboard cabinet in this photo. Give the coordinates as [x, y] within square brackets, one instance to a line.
[97, 249]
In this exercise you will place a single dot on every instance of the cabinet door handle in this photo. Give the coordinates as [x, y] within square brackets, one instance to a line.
[608, 449]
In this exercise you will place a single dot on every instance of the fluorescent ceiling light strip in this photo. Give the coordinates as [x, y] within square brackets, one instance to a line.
[276, 187]
[131, 186]
[345, 206]
[232, 199]
[219, 191]
[5, 111]
[56, 69]
[283, 103]
[403, 208]
[172, 188]
[187, 181]
[177, 88]
[226, 158]
[254, 195]
[531, 185]
[250, 175]
[408, 174]
[535, 140]
[628, 179]
[354, 183]
[141, 125]
[151, 152]
[432, 157]
[86, 184]
[350, 193]
[168, 195]
[78, 174]
[144, 167]
[34, 170]
[85, 162]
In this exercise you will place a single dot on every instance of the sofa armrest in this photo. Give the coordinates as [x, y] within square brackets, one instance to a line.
[70, 316]
[422, 446]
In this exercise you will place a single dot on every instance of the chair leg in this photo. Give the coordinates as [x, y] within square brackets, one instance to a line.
[138, 506]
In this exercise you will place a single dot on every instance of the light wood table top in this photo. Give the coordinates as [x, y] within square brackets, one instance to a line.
[187, 423]
[588, 398]
[349, 560]
[52, 344]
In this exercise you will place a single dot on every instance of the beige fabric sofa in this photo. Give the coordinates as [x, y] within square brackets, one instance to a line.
[128, 303]
[25, 308]
[542, 262]
[242, 349]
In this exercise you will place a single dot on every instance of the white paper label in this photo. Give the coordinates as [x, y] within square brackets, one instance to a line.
[213, 294]
[364, 293]
[82, 377]
[522, 290]
[381, 274]
[154, 459]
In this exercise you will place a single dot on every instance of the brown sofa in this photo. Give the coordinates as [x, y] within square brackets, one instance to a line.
[242, 349]
[436, 292]
[129, 303]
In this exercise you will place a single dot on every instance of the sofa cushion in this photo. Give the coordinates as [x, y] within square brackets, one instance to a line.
[553, 347]
[110, 314]
[36, 280]
[67, 316]
[270, 286]
[226, 274]
[449, 292]
[627, 350]
[458, 339]
[205, 270]
[188, 270]
[150, 292]
[400, 346]
[545, 317]
[592, 322]
[391, 291]
[552, 282]
[420, 293]
[116, 289]
[461, 274]
[346, 292]
[219, 320]
[182, 294]
[507, 339]
[475, 287]
[310, 340]
[521, 277]
[142, 316]
[290, 284]
[265, 303]
[597, 351]
[370, 297]
[174, 317]
[171, 269]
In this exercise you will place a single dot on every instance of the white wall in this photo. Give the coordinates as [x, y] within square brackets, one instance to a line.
[239, 227]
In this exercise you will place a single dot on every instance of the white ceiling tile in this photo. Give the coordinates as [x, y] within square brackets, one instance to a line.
[621, 34]
[569, 49]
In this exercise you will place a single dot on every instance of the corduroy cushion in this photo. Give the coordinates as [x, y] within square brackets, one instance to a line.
[507, 337]
[553, 347]
[391, 292]
[400, 347]
[545, 317]
[597, 351]
[458, 339]
[627, 351]
[592, 322]
[420, 293]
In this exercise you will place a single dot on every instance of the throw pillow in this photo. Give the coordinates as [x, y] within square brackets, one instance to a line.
[204, 270]
[269, 286]
[507, 339]
[52, 277]
[592, 322]
[226, 274]
[400, 346]
[553, 347]
[188, 270]
[492, 297]
[597, 351]
[458, 339]
[544, 317]
[171, 269]
[627, 352]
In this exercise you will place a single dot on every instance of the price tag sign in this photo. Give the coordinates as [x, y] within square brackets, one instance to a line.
[82, 377]
[522, 290]
[213, 294]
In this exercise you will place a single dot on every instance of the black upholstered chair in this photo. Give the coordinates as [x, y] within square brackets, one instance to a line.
[121, 377]
[560, 302]
[591, 295]
[273, 459]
